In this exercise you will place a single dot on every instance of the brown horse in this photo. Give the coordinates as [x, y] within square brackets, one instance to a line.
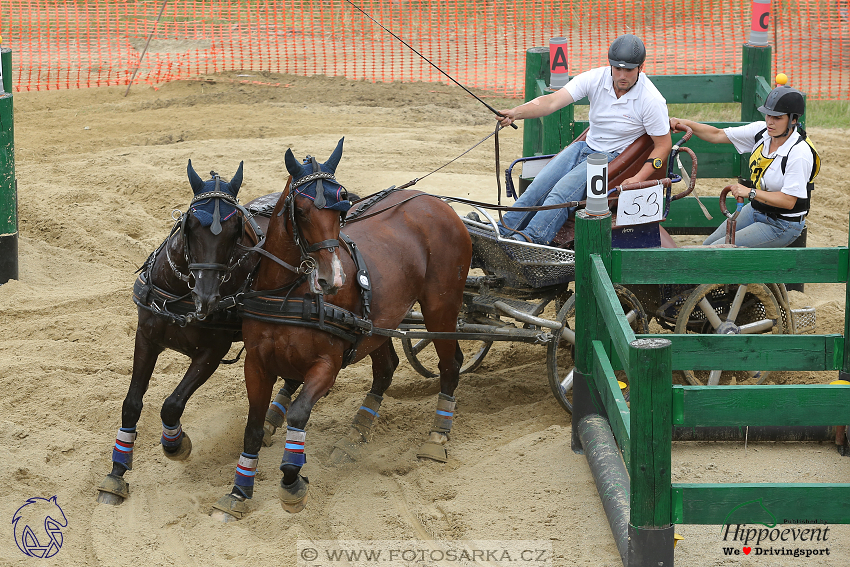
[412, 247]
[179, 297]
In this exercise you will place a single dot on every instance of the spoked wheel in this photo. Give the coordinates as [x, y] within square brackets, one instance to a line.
[559, 354]
[730, 310]
[424, 359]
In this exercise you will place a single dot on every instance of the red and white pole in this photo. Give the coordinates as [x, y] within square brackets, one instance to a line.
[559, 70]
[759, 21]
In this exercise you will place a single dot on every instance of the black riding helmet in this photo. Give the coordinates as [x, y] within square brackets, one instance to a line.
[784, 100]
[627, 52]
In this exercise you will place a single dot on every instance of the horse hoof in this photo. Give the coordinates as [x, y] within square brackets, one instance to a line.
[293, 498]
[113, 490]
[182, 452]
[433, 451]
[229, 508]
[345, 451]
[268, 431]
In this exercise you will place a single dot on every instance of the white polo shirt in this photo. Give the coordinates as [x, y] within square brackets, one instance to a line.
[798, 168]
[617, 122]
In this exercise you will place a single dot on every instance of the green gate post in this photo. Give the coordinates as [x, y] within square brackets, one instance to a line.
[755, 62]
[592, 236]
[8, 185]
[650, 526]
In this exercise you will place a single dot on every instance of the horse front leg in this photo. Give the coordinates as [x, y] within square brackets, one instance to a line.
[258, 383]
[450, 363]
[384, 363]
[175, 442]
[293, 487]
[114, 489]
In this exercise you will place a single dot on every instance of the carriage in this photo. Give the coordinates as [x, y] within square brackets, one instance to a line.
[523, 291]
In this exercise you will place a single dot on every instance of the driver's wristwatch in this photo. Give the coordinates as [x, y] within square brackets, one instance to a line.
[753, 194]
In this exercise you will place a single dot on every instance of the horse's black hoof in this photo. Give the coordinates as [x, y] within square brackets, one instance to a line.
[114, 490]
[229, 508]
[293, 497]
[182, 452]
[345, 451]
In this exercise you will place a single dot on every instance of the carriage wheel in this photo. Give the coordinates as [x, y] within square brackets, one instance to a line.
[560, 352]
[424, 360]
[729, 309]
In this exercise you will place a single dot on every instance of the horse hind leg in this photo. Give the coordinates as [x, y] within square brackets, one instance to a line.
[276, 414]
[348, 448]
[450, 362]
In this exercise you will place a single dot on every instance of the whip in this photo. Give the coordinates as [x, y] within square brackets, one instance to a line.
[493, 110]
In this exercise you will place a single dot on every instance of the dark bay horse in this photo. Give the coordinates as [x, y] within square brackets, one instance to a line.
[179, 296]
[322, 296]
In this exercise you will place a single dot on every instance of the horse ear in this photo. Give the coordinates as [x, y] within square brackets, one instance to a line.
[292, 166]
[333, 161]
[236, 182]
[194, 180]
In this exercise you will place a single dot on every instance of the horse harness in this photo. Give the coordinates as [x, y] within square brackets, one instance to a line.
[180, 309]
[311, 310]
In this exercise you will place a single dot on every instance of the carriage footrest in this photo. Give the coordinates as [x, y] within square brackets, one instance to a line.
[804, 319]
[486, 304]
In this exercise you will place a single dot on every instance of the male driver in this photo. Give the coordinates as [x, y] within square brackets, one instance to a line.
[624, 105]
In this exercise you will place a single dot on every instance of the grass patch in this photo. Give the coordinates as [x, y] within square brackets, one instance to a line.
[819, 113]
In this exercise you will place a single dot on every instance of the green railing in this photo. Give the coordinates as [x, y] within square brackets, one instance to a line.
[8, 184]
[643, 432]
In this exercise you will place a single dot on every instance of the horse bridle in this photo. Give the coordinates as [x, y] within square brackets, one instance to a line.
[308, 263]
[215, 228]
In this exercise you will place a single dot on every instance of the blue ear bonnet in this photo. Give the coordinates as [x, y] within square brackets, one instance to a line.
[204, 208]
[336, 196]
[310, 175]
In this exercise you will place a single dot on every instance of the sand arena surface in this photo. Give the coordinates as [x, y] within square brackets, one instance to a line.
[99, 175]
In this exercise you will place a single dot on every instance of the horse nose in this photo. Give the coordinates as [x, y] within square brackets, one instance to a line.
[327, 287]
[204, 305]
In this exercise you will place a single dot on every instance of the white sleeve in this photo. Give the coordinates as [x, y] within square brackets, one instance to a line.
[580, 85]
[656, 118]
[798, 169]
[742, 136]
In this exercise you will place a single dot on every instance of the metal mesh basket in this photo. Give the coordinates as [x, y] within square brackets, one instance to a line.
[804, 319]
[521, 264]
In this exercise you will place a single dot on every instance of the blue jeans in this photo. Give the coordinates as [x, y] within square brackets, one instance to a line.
[757, 230]
[551, 187]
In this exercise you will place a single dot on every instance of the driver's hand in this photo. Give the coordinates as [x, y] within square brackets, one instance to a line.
[508, 117]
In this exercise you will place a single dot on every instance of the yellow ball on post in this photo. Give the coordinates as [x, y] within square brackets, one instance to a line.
[781, 79]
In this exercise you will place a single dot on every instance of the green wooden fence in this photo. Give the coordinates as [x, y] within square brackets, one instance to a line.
[605, 342]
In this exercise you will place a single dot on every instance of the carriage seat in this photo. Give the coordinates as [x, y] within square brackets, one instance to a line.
[625, 165]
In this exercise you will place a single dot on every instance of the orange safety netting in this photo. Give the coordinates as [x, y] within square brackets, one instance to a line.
[480, 43]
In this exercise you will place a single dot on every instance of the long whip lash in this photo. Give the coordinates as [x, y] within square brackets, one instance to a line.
[493, 110]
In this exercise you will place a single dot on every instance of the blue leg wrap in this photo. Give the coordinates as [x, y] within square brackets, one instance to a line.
[172, 437]
[246, 470]
[122, 452]
[294, 451]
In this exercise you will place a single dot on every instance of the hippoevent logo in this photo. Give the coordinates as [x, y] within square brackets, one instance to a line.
[771, 539]
[38, 527]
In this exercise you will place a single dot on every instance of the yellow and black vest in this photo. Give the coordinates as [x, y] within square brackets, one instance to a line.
[759, 164]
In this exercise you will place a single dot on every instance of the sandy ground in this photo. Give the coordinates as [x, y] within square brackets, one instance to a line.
[98, 176]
